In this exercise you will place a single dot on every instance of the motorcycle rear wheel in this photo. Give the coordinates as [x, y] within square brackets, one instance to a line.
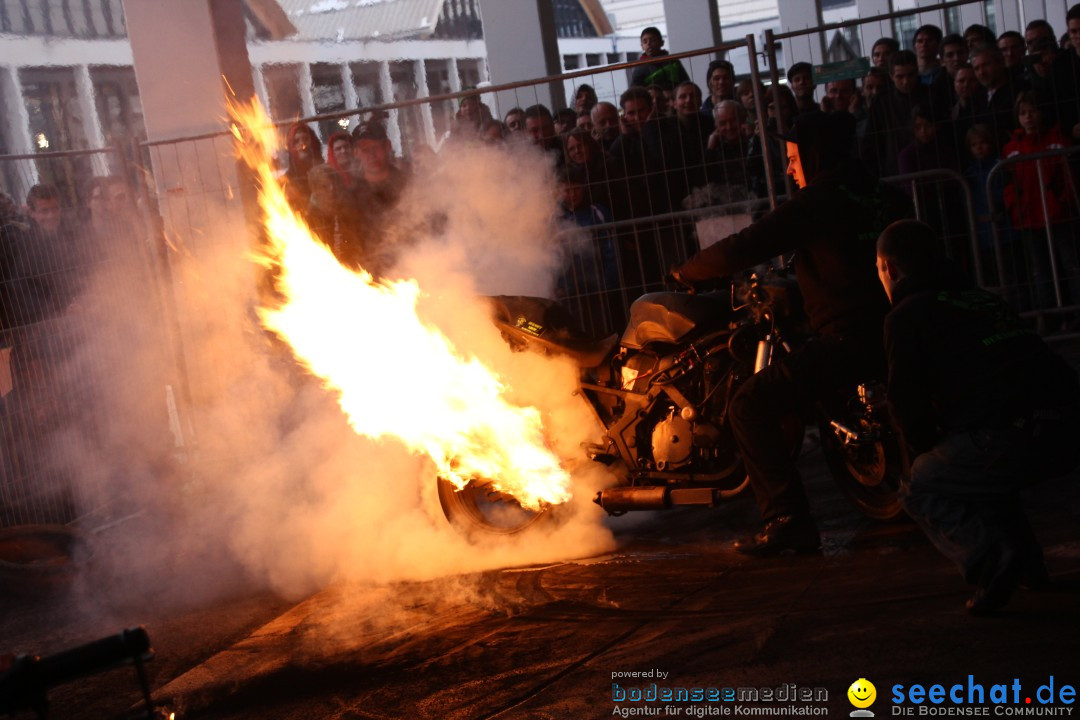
[478, 510]
[870, 476]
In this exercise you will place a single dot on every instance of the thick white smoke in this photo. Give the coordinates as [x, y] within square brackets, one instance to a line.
[276, 490]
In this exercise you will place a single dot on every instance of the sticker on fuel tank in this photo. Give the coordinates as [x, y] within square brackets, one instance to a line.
[526, 325]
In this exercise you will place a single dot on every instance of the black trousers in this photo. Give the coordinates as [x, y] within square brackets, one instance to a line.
[823, 372]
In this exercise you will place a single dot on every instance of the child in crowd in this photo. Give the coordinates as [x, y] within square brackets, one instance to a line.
[590, 267]
[1037, 184]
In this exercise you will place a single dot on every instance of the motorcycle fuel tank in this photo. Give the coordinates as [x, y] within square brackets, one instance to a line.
[668, 317]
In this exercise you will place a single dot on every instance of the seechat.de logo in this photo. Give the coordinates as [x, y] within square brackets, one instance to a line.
[862, 694]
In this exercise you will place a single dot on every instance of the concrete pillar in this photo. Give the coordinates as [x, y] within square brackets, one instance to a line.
[522, 45]
[870, 33]
[420, 76]
[352, 100]
[307, 99]
[691, 24]
[91, 123]
[186, 57]
[804, 48]
[189, 58]
[17, 130]
[386, 90]
[260, 87]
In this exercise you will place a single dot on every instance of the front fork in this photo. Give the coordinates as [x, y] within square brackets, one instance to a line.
[869, 432]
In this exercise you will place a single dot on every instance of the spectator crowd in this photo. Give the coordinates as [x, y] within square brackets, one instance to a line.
[952, 106]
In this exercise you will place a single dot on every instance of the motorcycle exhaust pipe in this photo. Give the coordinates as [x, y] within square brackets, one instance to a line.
[622, 499]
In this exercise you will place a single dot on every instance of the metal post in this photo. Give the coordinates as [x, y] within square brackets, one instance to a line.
[1049, 233]
[774, 76]
[159, 260]
[995, 233]
[759, 108]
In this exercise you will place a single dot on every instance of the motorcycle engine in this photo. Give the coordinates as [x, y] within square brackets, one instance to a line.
[672, 441]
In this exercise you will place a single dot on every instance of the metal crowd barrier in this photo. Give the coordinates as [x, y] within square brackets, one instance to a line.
[1039, 259]
[70, 270]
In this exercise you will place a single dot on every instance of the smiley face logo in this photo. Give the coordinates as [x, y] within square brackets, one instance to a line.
[862, 693]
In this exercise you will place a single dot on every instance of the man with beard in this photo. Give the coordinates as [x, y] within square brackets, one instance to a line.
[605, 124]
[831, 225]
[727, 152]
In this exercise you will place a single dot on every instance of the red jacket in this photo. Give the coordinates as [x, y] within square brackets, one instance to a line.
[1022, 196]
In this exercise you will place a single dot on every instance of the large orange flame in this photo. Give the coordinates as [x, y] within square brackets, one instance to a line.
[395, 376]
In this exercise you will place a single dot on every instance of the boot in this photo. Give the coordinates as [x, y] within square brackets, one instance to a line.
[1003, 571]
[787, 534]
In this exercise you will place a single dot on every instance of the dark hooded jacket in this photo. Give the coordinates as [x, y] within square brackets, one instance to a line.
[960, 359]
[832, 226]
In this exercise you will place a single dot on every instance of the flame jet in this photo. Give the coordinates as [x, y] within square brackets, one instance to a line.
[425, 393]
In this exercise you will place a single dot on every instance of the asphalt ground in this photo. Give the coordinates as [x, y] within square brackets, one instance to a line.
[552, 641]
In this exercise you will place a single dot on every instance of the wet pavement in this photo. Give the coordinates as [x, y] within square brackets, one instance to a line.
[552, 641]
[548, 642]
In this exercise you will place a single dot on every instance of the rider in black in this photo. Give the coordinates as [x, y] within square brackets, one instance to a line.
[832, 226]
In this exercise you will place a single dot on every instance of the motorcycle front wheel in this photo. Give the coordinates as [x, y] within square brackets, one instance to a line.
[479, 510]
[869, 475]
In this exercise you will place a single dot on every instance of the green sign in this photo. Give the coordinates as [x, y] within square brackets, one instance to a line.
[831, 72]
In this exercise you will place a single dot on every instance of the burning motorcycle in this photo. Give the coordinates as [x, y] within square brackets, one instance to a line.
[661, 394]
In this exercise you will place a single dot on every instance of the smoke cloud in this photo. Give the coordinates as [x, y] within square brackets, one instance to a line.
[272, 488]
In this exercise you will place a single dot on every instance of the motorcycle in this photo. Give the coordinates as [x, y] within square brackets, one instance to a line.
[661, 394]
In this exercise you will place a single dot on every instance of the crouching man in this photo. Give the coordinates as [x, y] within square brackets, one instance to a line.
[986, 407]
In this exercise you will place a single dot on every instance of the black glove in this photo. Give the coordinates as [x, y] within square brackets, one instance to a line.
[674, 281]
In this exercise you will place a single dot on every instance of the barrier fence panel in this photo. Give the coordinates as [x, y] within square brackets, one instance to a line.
[943, 199]
[608, 266]
[1032, 224]
[73, 261]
